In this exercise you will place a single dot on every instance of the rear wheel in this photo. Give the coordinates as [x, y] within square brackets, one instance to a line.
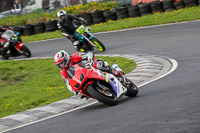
[25, 52]
[132, 89]
[99, 44]
[102, 94]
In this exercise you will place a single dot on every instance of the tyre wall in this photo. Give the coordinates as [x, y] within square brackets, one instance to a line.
[99, 16]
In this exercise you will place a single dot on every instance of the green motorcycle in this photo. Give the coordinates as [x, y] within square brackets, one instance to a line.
[87, 41]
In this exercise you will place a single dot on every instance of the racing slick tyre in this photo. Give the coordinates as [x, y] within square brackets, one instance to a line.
[99, 44]
[102, 95]
[132, 89]
[25, 52]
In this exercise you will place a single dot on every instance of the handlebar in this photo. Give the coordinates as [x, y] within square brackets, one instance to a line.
[89, 65]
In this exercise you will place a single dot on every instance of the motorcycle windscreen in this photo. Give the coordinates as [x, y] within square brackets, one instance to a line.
[8, 34]
[71, 72]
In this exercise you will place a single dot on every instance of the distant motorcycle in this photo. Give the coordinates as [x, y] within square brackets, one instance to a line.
[102, 86]
[87, 39]
[13, 45]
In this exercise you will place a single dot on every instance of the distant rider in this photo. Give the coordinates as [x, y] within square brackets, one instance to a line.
[63, 60]
[66, 25]
[2, 47]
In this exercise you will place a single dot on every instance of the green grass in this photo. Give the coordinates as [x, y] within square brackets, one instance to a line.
[31, 83]
[187, 14]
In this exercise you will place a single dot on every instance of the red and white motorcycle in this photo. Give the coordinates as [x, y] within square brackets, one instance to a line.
[12, 45]
[102, 86]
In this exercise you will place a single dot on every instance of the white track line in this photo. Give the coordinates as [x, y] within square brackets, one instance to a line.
[174, 66]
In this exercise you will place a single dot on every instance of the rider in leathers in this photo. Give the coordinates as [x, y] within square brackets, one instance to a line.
[2, 48]
[66, 25]
[64, 61]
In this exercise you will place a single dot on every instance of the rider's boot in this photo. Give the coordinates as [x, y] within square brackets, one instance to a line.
[76, 46]
[117, 71]
[83, 97]
[103, 66]
[76, 43]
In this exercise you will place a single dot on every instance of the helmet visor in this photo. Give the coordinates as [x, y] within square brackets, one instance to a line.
[62, 64]
[63, 17]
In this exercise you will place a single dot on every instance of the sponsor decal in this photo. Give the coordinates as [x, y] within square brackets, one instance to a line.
[106, 78]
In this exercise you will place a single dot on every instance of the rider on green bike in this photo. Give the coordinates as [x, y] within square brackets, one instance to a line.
[67, 27]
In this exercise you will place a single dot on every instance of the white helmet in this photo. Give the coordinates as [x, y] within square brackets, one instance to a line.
[62, 59]
[62, 15]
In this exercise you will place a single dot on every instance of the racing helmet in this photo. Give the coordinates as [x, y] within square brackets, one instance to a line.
[62, 15]
[62, 59]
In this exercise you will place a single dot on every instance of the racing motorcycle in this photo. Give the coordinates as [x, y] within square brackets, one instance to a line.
[13, 45]
[87, 40]
[102, 86]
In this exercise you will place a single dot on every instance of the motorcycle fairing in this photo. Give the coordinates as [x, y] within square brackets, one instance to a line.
[78, 74]
[79, 37]
[18, 46]
[81, 32]
[80, 77]
[117, 87]
[2, 41]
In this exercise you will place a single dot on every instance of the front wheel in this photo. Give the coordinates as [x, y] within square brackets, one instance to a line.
[25, 52]
[99, 44]
[132, 88]
[102, 95]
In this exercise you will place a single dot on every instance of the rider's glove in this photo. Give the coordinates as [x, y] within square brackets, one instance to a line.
[11, 28]
[88, 28]
[84, 57]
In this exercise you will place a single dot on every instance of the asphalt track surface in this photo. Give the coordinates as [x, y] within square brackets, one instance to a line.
[168, 105]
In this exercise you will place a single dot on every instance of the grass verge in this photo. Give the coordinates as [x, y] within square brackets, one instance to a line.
[187, 14]
[31, 83]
